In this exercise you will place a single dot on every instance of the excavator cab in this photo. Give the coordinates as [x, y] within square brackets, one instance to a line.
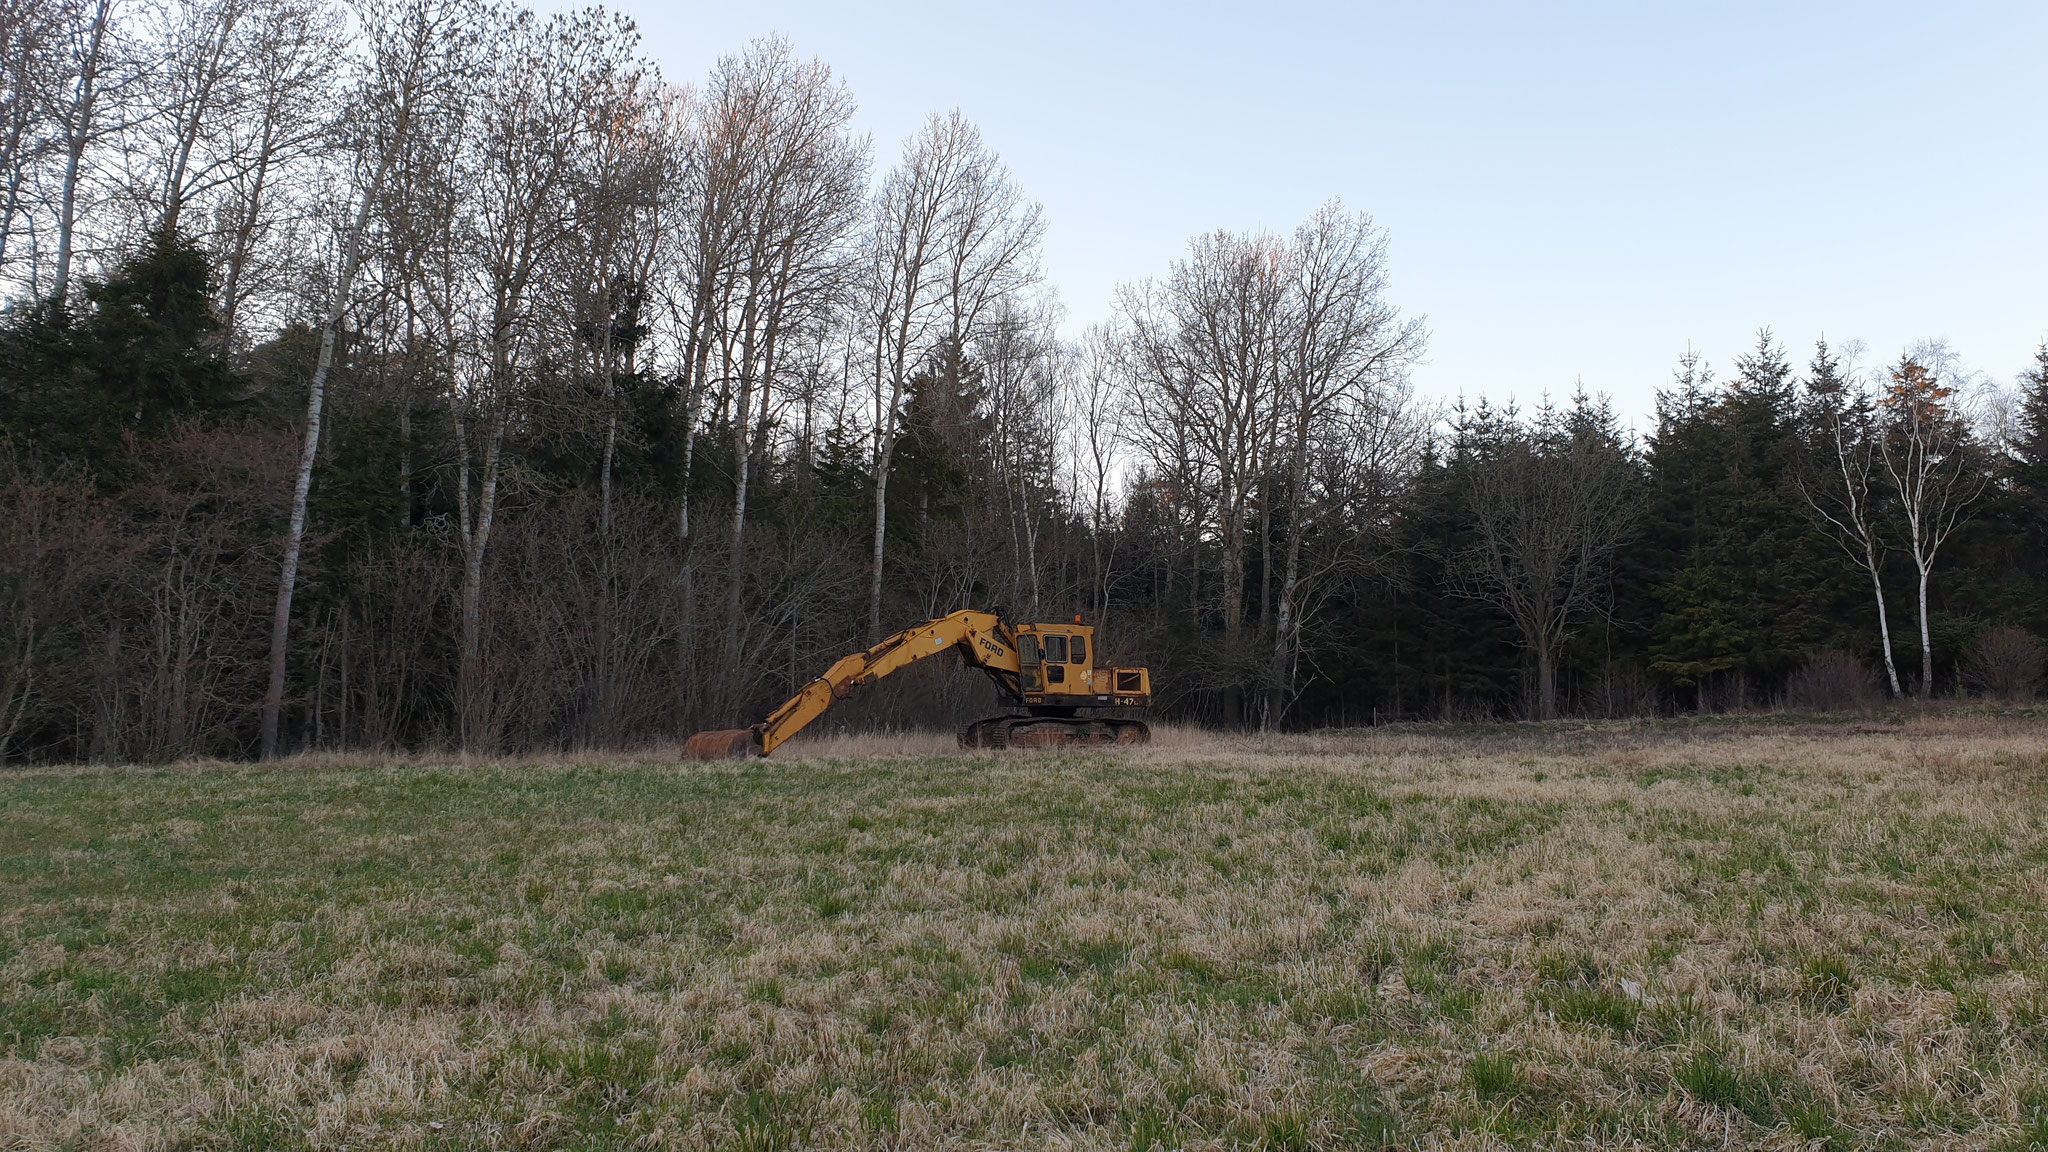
[1055, 670]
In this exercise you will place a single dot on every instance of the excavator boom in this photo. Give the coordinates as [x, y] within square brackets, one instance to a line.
[1030, 665]
[979, 636]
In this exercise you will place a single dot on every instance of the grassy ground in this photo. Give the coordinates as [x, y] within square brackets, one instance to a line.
[1777, 936]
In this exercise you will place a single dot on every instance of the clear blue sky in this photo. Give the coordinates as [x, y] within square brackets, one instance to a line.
[1572, 190]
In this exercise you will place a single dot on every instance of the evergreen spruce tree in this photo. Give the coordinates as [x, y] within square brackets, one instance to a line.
[144, 354]
[944, 435]
[1750, 590]
[2026, 559]
[2031, 445]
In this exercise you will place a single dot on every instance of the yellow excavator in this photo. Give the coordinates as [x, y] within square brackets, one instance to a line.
[1042, 668]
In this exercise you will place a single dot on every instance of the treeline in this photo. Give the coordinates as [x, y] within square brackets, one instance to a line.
[429, 374]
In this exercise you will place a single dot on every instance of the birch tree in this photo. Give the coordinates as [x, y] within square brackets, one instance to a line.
[536, 116]
[418, 54]
[33, 36]
[99, 69]
[949, 235]
[1345, 352]
[1839, 488]
[1924, 450]
[782, 182]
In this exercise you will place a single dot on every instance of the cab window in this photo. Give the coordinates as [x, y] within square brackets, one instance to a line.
[1080, 655]
[1027, 649]
[1055, 649]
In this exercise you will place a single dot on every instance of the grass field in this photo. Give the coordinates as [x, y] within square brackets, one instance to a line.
[1763, 935]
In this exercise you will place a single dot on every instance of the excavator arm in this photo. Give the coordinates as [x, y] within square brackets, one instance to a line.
[981, 638]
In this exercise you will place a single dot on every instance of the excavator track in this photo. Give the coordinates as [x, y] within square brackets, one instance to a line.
[1052, 732]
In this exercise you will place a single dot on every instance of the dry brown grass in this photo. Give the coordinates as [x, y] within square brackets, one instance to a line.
[1712, 935]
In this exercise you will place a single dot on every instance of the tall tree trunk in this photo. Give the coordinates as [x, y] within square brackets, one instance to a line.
[608, 376]
[405, 449]
[1265, 554]
[1233, 567]
[192, 124]
[302, 482]
[1277, 672]
[687, 579]
[753, 372]
[288, 572]
[1926, 639]
[885, 453]
[1884, 623]
[881, 526]
[78, 130]
[742, 462]
[476, 540]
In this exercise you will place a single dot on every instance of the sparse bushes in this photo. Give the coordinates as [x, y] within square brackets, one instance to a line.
[2007, 665]
[1834, 682]
[1622, 692]
[1466, 710]
[57, 555]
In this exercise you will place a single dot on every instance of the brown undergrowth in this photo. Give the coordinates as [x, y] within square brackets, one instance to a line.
[1785, 935]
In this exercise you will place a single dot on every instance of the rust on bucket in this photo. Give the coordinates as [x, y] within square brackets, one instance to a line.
[732, 744]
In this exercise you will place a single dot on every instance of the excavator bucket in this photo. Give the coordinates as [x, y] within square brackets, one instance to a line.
[733, 744]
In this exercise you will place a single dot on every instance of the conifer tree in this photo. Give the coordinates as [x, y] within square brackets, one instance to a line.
[2031, 445]
[143, 353]
[1748, 591]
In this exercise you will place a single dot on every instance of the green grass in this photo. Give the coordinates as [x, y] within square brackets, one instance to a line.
[1403, 939]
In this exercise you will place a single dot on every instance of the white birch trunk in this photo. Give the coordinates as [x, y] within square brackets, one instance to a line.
[302, 482]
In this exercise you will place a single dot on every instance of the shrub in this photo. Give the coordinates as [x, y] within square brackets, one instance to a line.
[2006, 665]
[1834, 682]
[1622, 692]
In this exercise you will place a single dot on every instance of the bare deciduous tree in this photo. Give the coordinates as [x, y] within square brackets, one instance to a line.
[1257, 368]
[194, 78]
[418, 55]
[1098, 433]
[1550, 503]
[57, 548]
[32, 65]
[536, 115]
[98, 68]
[1345, 356]
[1207, 346]
[780, 182]
[273, 146]
[949, 236]
[1926, 454]
[1839, 492]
